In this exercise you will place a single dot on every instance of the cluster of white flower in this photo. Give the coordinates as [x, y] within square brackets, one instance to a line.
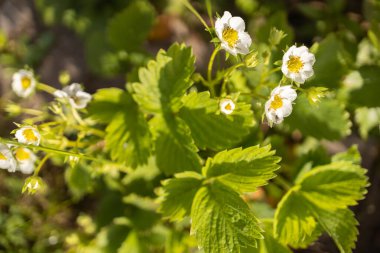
[297, 65]
[21, 158]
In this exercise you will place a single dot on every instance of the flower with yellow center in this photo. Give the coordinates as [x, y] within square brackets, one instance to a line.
[279, 105]
[75, 95]
[7, 161]
[297, 64]
[28, 135]
[26, 159]
[230, 31]
[227, 106]
[23, 83]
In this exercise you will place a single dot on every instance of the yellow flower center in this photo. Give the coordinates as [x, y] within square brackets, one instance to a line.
[230, 36]
[228, 107]
[22, 154]
[276, 103]
[25, 82]
[295, 64]
[29, 135]
[2, 157]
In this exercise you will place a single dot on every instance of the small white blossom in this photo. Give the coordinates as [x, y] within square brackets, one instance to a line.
[227, 106]
[297, 64]
[28, 135]
[230, 31]
[279, 105]
[23, 83]
[26, 159]
[75, 95]
[7, 160]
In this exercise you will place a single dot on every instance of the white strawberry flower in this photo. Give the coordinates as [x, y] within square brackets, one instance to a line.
[26, 159]
[28, 135]
[230, 31]
[75, 95]
[297, 64]
[279, 105]
[7, 161]
[227, 106]
[23, 83]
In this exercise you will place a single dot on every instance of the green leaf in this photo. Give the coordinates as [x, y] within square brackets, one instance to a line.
[330, 64]
[127, 135]
[322, 196]
[79, 180]
[132, 244]
[243, 169]
[175, 149]
[165, 80]
[212, 129]
[128, 29]
[334, 186]
[178, 195]
[340, 225]
[105, 103]
[221, 221]
[351, 155]
[367, 119]
[294, 223]
[367, 94]
[328, 120]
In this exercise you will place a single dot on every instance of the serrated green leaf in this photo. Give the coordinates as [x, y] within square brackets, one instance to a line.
[351, 155]
[105, 103]
[175, 149]
[243, 169]
[127, 135]
[123, 33]
[178, 195]
[165, 80]
[294, 223]
[212, 129]
[340, 225]
[328, 120]
[323, 196]
[334, 186]
[221, 221]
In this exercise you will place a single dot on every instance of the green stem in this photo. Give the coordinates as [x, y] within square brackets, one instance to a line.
[282, 182]
[43, 161]
[76, 116]
[209, 70]
[194, 11]
[46, 88]
[55, 151]
[209, 11]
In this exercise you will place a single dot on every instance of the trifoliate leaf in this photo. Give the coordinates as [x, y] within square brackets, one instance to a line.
[178, 195]
[328, 120]
[128, 29]
[127, 135]
[322, 195]
[221, 221]
[294, 223]
[243, 169]
[334, 186]
[212, 129]
[165, 80]
[175, 149]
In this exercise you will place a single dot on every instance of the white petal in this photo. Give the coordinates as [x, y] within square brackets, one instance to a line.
[237, 23]
[60, 94]
[284, 69]
[26, 167]
[219, 26]
[228, 49]
[299, 79]
[226, 17]
[286, 108]
[287, 92]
